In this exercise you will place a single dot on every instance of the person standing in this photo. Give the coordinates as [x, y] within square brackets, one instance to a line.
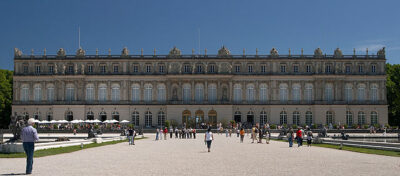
[165, 133]
[241, 135]
[157, 133]
[309, 138]
[161, 133]
[208, 138]
[237, 132]
[171, 131]
[130, 135]
[176, 132]
[29, 136]
[290, 137]
[194, 133]
[299, 137]
[260, 135]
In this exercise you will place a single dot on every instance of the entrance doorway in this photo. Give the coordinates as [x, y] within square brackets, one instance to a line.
[238, 117]
[250, 118]
[186, 117]
[103, 116]
[69, 116]
[212, 117]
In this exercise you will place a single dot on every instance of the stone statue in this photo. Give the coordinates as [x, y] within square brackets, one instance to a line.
[174, 52]
[274, 53]
[224, 94]
[82, 69]
[381, 53]
[76, 69]
[125, 52]
[63, 69]
[80, 52]
[55, 68]
[174, 94]
[338, 53]
[318, 53]
[223, 52]
[17, 52]
[61, 52]
[16, 125]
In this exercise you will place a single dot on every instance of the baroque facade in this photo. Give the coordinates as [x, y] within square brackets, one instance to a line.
[149, 89]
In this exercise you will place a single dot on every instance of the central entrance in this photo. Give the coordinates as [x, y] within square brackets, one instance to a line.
[186, 118]
[238, 117]
[199, 115]
[212, 117]
[250, 118]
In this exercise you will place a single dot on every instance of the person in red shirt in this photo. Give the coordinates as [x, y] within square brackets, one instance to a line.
[299, 137]
[165, 133]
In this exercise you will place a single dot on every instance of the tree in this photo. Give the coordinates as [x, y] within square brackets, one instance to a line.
[393, 93]
[6, 96]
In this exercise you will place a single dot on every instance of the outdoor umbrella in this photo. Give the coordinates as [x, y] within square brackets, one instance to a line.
[36, 121]
[96, 121]
[114, 121]
[88, 121]
[124, 121]
[75, 121]
[63, 121]
[44, 121]
[53, 121]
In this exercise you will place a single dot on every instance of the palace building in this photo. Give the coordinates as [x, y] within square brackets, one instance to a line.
[147, 90]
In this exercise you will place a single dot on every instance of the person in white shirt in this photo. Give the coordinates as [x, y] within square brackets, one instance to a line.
[208, 138]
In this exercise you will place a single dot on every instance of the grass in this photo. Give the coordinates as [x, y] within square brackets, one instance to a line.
[61, 150]
[354, 149]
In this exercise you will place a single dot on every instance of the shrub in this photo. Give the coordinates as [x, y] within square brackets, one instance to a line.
[376, 126]
[96, 126]
[273, 126]
[365, 126]
[130, 126]
[314, 126]
[167, 124]
[335, 126]
[345, 126]
[55, 126]
[354, 126]
[76, 126]
[285, 125]
[294, 126]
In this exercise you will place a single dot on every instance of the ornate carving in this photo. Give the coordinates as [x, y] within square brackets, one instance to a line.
[55, 68]
[61, 52]
[16, 125]
[125, 52]
[63, 69]
[223, 52]
[80, 52]
[76, 69]
[82, 69]
[274, 52]
[224, 94]
[338, 53]
[17, 52]
[381, 53]
[174, 52]
[174, 94]
[318, 53]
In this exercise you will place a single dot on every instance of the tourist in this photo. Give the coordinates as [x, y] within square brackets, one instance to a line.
[299, 137]
[260, 135]
[157, 133]
[194, 133]
[237, 132]
[226, 132]
[267, 136]
[29, 136]
[190, 132]
[161, 133]
[290, 137]
[309, 138]
[176, 132]
[165, 133]
[170, 132]
[230, 132]
[208, 138]
[130, 135]
[241, 135]
[74, 131]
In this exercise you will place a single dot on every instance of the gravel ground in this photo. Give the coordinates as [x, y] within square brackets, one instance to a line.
[190, 157]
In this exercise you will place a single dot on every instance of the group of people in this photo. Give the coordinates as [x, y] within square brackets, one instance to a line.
[183, 133]
[300, 134]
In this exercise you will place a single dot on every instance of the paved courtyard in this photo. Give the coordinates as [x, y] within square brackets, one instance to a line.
[190, 157]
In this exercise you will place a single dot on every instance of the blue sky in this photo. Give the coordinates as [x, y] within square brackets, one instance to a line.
[162, 24]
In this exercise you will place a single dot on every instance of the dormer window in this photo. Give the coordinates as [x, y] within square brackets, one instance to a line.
[115, 69]
[148, 68]
[161, 68]
[186, 68]
[51, 69]
[212, 69]
[70, 69]
[199, 69]
[37, 69]
[103, 69]
[263, 68]
[361, 68]
[135, 68]
[295, 68]
[250, 68]
[283, 68]
[373, 68]
[237, 68]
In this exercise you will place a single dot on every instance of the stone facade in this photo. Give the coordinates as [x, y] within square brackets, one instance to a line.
[148, 89]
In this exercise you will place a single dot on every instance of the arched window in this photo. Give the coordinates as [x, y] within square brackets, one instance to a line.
[69, 116]
[37, 94]
[36, 116]
[186, 114]
[115, 93]
[361, 92]
[199, 115]
[238, 117]
[263, 118]
[283, 92]
[103, 116]
[135, 118]
[374, 118]
[283, 118]
[361, 118]
[329, 118]
[237, 93]
[348, 92]
[25, 92]
[148, 92]
[212, 93]
[328, 92]
[296, 118]
[296, 92]
[309, 118]
[148, 119]
[161, 119]
[374, 93]
[115, 115]
[103, 92]
[349, 118]
[250, 118]
[89, 92]
[263, 96]
[135, 93]
[250, 93]
[70, 92]
[308, 93]
[49, 116]
[212, 117]
[187, 95]
[199, 93]
[90, 115]
[161, 95]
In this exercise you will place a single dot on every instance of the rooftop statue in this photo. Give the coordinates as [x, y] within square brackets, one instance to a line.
[125, 52]
[223, 52]
[381, 53]
[80, 52]
[61, 52]
[338, 53]
[274, 52]
[174, 52]
[318, 53]
[17, 52]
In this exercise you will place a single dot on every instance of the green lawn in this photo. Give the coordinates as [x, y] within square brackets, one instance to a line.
[353, 149]
[60, 150]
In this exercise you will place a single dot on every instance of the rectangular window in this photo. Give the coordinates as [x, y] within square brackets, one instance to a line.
[283, 68]
[361, 69]
[199, 69]
[263, 69]
[135, 69]
[348, 69]
[70, 69]
[308, 68]
[373, 68]
[115, 68]
[37, 71]
[212, 69]
[26, 69]
[237, 68]
[250, 69]
[148, 68]
[187, 69]
[103, 69]
[161, 68]
[328, 69]
[90, 68]
[295, 68]
[51, 69]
